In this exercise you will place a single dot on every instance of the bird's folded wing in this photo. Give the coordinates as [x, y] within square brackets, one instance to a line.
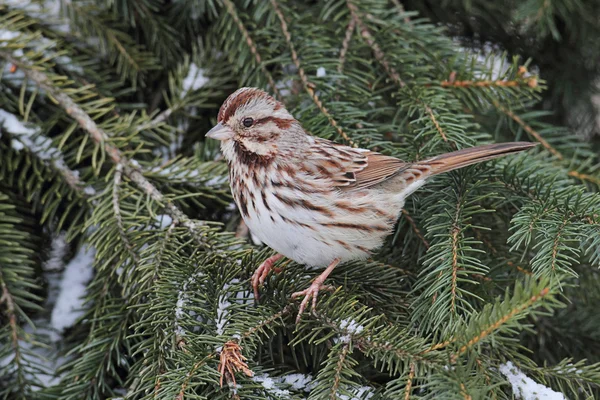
[349, 168]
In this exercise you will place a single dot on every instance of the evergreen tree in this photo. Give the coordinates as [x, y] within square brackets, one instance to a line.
[124, 265]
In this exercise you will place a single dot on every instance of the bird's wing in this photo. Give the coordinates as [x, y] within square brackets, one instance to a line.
[349, 168]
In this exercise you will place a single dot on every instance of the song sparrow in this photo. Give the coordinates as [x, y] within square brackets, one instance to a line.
[314, 201]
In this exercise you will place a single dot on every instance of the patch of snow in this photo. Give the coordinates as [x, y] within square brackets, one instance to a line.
[30, 138]
[321, 72]
[298, 381]
[526, 388]
[351, 326]
[285, 87]
[270, 385]
[6, 35]
[194, 80]
[89, 190]
[359, 393]
[222, 312]
[164, 220]
[181, 300]
[69, 302]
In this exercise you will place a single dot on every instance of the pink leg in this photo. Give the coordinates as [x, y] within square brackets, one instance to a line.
[313, 289]
[261, 273]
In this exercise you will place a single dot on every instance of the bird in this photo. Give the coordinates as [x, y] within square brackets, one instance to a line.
[314, 201]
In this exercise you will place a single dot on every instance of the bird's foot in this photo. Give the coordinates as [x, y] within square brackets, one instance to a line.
[311, 293]
[261, 273]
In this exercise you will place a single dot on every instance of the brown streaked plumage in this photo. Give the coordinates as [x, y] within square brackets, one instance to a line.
[314, 201]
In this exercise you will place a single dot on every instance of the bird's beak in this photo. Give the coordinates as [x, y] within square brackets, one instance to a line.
[220, 132]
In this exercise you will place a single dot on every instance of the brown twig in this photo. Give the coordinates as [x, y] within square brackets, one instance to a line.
[190, 374]
[231, 360]
[408, 387]
[531, 82]
[455, 234]
[308, 86]
[584, 177]
[231, 10]
[346, 43]
[338, 371]
[379, 54]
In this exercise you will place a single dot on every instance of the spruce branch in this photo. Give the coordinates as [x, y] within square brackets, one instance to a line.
[117, 211]
[503, 319]
[308, 86]
[401, 10]
[11, 311]
[102, 138]
[391, 71]
[528, 129]
[231, 10]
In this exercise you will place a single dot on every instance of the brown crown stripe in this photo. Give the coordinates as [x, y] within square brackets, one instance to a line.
[229, 108]
[304, 204]
[347, 225]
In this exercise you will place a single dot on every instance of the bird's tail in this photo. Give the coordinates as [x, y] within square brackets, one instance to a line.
[462, 158]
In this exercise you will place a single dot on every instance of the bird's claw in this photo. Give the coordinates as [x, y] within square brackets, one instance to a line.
[311, 292]
[261, 273]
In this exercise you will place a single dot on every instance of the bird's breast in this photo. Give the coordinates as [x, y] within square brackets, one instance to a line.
[306, 224]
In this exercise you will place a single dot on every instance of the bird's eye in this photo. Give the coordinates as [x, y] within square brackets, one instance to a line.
[248, 122]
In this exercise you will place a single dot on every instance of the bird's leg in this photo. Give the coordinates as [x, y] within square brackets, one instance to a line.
[313, 289]
[262, 271]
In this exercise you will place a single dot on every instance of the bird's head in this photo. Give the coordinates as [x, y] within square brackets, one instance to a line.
[252, 121]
